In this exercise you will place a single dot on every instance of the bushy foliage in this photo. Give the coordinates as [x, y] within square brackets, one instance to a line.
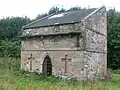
[10, 30]
[11, 27]
[10, 48]
[113, 39]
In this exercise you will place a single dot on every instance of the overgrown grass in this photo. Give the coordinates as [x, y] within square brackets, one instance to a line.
[116, 71]
[11, 78]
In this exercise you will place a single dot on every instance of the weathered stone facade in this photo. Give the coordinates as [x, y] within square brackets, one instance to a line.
[84, 43]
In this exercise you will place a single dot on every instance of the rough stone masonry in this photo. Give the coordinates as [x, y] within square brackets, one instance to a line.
[71, 44]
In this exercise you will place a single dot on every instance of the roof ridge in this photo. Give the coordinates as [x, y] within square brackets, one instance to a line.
[74, 10]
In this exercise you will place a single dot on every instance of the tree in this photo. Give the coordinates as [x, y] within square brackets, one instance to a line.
[39, 16]
[113, 39]
[53, 10]
[10, 29]
[74, 8]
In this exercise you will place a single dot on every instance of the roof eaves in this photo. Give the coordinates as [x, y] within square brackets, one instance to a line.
[52, 25]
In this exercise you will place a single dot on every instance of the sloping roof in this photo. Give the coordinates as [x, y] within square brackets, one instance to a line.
[61, 18]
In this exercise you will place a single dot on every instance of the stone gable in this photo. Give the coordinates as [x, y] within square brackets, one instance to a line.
[83, 44]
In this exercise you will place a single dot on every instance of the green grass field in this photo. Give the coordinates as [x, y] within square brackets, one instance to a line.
[12, 79]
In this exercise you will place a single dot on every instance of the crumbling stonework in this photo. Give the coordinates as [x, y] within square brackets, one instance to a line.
[83, 44]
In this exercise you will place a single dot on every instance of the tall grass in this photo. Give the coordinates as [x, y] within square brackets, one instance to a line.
[11, 78]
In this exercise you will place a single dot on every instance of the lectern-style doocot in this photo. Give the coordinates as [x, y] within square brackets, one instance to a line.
[71, 44]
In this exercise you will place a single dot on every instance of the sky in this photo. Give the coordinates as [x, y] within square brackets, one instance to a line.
[32, 8]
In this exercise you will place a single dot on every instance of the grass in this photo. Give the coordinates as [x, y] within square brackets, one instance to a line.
[11, 78]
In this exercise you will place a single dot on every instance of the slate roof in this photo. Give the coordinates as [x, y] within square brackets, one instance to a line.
[61, 18]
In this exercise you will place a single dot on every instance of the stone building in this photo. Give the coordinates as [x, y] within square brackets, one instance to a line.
[72, 44]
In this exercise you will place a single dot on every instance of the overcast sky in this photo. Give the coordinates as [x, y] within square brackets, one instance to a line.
[32, 8]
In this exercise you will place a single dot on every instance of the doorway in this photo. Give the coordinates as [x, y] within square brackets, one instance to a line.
[47, 66]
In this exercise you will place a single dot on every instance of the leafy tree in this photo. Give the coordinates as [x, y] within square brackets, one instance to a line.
[62, 10]
[10, 29]
[113, 39]
[39, 16]
[53, 10]
[74, 8]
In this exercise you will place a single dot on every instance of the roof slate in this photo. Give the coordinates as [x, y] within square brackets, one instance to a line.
[61, 18]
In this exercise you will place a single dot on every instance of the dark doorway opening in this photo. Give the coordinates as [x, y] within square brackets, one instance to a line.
[47, 66]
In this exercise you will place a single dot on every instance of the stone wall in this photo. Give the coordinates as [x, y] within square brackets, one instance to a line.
[96, 45]
[56, 46]
[64, 42]
[83, 66]
[75, 66]
[77, 27]
[95, 42]
[97, 22]
[96, 31]
[88, 61]
[95, 65]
